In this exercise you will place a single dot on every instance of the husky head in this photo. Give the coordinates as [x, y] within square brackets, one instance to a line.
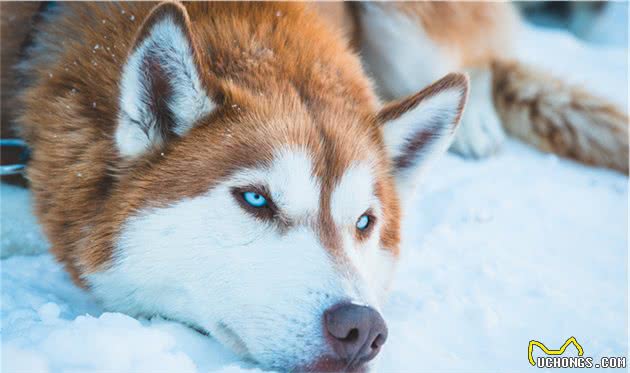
[261, 212]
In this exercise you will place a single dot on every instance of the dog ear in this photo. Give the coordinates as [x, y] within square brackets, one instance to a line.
[162, 94]
[421, 126]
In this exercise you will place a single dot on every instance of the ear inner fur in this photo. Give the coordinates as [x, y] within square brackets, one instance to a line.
[421, 139]
[415, 133]
[179, 15]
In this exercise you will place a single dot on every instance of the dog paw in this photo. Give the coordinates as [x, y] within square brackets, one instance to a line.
[480, 133]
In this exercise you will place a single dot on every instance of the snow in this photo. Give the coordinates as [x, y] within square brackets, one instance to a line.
[19, 232]
[611, 27]
[518, 247]
[524, 246]
[496, 253]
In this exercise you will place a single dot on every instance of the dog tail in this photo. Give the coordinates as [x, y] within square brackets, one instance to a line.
[557, 117]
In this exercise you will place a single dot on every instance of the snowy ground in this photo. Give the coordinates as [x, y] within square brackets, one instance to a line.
[522, 246]
[497, 252]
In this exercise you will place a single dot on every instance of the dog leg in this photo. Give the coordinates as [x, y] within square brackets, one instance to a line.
[480, 132]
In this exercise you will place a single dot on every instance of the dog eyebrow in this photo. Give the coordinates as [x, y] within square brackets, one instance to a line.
[354, 193]
[326, 229]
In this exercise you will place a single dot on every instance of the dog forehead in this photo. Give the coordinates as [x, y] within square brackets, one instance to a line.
[297, 186]
[353, 194]
[292, 183]
[290, 180]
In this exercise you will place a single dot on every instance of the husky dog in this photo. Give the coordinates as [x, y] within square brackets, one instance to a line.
[230, 166]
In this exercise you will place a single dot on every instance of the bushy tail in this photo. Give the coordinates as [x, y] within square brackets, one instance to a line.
[557, 117]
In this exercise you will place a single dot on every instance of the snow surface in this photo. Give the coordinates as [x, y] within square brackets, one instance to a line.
[15, 214]
[610, 27]
[522, 246]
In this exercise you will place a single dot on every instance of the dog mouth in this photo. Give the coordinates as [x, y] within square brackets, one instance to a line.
[325, 363]
[226, 336]
[230, 338]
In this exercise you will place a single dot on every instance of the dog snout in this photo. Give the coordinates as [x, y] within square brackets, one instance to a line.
[356, 332]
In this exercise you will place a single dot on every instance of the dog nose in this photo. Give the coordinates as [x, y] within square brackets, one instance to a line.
[357, 332]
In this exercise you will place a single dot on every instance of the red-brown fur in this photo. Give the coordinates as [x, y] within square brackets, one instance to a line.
[272, 68]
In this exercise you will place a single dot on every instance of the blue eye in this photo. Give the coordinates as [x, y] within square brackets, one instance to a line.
[255, 199]
[363, 222]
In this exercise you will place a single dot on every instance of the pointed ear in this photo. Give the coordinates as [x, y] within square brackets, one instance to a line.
[421, 127]
[162, 94]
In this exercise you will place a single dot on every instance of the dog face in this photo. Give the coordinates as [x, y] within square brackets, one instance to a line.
[270, 224]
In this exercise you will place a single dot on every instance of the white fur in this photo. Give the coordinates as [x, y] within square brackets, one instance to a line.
[400, 56]
[189, 102]
[354, 195]
[207, 262]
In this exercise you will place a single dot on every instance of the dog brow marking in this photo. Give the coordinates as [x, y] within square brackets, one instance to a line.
[325, 225]
[327, 230]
